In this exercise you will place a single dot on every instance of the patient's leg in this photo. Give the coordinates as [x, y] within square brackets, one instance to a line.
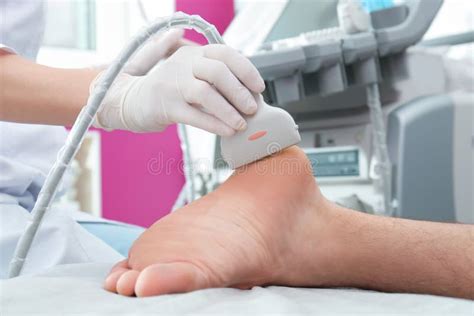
[269, 224]
[252, 230]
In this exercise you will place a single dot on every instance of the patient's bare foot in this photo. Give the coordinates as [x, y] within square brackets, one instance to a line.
[258, 228]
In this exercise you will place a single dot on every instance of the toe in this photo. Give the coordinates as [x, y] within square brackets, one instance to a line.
[243, 286]
[119, 266]
[126, 283]
[110, 283]
[170, 278]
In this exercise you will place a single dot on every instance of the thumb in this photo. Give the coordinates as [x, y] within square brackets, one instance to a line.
[156, 49]
[171, 41]
[167, 278]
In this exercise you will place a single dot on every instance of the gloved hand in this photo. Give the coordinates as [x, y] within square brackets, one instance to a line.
[202, 86]
[156, 49]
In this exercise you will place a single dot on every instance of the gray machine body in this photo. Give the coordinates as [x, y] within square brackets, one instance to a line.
[322, 84]
[331, 73]
[424, 138]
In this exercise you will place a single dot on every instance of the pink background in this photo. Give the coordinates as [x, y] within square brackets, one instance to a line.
[136, 188]
[217, 12]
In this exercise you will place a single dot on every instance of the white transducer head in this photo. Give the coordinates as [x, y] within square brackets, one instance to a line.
[268, 131]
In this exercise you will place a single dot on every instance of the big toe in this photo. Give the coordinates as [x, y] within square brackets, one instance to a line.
[167, 278]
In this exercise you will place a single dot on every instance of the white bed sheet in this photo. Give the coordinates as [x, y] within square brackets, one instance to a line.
[76, 289]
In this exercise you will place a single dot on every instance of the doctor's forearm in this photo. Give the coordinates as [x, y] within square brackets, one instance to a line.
[398, 255]
[32, 93]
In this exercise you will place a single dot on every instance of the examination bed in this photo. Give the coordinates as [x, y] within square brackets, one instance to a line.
[77, 289]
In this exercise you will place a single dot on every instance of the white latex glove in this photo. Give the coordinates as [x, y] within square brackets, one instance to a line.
[156, 49]
[202, 86]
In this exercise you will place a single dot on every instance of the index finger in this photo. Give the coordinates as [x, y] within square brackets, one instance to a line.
[239, 65]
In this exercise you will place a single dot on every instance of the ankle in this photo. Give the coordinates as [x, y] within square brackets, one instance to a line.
[336, 260]
[315, 260]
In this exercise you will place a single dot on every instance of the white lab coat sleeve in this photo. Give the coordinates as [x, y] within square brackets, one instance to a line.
[6, 48]
[60, 240]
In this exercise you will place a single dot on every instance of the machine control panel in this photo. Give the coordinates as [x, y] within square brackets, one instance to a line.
[338, 163]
